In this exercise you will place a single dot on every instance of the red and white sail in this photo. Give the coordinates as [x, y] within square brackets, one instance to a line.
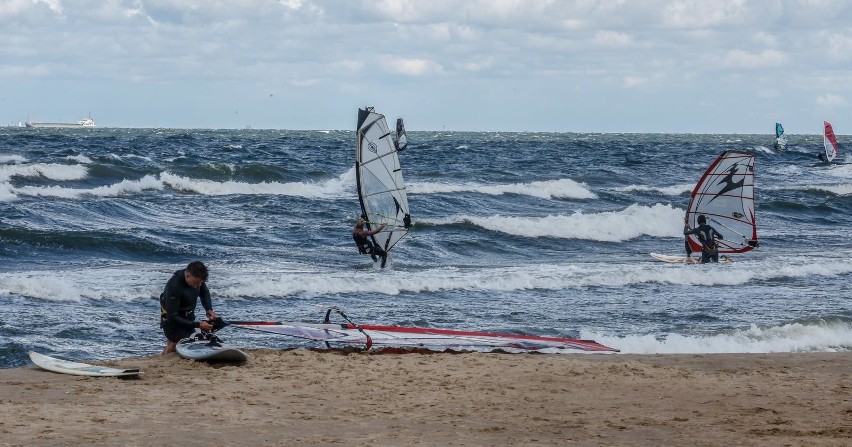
[829, 141]
[368, 335]
[725, 196]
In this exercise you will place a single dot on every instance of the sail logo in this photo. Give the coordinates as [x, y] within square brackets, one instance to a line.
[373, 148]
[728, 182]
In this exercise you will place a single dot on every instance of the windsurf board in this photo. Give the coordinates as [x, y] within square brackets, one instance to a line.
[209, 351]
[79, 369]
[685, 260]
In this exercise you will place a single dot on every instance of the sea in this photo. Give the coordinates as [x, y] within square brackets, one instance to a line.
[519, 232]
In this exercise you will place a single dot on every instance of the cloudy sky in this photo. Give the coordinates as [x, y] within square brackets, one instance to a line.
[705, 66]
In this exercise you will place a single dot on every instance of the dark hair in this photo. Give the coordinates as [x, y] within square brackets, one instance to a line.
[702, 219]
[197, 269]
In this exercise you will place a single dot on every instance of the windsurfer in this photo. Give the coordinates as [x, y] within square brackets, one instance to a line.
[707, 235]
[821, 156]
[365, 245]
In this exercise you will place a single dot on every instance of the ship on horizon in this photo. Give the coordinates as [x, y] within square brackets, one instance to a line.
[88, 122]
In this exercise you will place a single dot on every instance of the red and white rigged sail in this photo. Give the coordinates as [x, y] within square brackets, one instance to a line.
[829, 141]
[725, 196]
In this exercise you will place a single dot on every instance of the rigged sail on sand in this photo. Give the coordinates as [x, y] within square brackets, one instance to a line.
[352, 334]
[725, 195]
[381, 187]
[829, 141]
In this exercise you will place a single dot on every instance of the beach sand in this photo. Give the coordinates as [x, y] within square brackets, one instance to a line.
[326, 398]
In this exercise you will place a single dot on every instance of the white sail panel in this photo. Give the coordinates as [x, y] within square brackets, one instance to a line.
[381, 188]
[725, 195]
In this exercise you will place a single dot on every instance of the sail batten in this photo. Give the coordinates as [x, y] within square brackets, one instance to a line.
[725, 195]
[381, 187]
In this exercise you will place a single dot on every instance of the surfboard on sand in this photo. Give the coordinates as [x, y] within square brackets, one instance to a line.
[79, 369]
[209, 349]
[685, 260]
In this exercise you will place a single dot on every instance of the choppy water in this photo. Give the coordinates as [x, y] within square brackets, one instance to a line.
[541, 233]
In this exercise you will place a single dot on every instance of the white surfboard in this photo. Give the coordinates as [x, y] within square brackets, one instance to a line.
[685, 260]
[79, 369]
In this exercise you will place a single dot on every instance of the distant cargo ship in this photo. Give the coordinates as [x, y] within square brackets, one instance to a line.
[88, 122]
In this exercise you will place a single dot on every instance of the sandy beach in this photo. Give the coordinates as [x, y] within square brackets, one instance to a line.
[321, 398]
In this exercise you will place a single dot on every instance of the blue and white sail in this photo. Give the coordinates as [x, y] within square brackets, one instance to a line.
[780, 138]
[381, 188]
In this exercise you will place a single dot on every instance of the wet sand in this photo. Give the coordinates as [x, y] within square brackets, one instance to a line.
[324, 398]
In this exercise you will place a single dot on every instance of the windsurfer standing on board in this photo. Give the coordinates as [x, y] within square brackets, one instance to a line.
[365, 245]
[707, 235]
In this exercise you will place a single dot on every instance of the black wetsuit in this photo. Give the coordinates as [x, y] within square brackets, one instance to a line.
[707, 235]
[177, 307]
[365, 245]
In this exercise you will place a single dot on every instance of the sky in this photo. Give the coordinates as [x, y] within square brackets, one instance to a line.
[672, 66]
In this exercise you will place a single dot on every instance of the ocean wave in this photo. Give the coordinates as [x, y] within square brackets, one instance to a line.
[613, 226]
[542, 277]
[50, 171]
[123, 187]
[9, 159]
[341, 186]
[826, 336]
[548, 189]
[674, 190]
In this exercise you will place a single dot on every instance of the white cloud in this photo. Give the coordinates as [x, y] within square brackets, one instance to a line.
[633, 81]
[412, 67]
[613, 39]
[744, 59]
[831, 100]
[702, 14]
[839, 46]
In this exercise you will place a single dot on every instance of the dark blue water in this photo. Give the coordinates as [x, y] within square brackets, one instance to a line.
[539, 233]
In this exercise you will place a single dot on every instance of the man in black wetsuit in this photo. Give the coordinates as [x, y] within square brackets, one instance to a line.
[365, 246]
[178, 302]
[707, 235]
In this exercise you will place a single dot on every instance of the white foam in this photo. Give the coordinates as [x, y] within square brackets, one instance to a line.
[123, 187]
[562, 188]
[542, 277]
[337, 187]
[675, 190]
[796, 337]
[613, 226]
[82, 159]
[10, 159]
[48, 170]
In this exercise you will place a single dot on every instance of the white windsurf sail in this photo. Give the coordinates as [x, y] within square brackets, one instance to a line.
[725, 195]
[780, 138]
[829, 141]
[381, 188]
[350, 333]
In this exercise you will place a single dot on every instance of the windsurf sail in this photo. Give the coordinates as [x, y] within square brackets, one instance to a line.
[401, 140]
[780, 138]
[349, 333]
[829, 142]
[725, 195]
[381, 188]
